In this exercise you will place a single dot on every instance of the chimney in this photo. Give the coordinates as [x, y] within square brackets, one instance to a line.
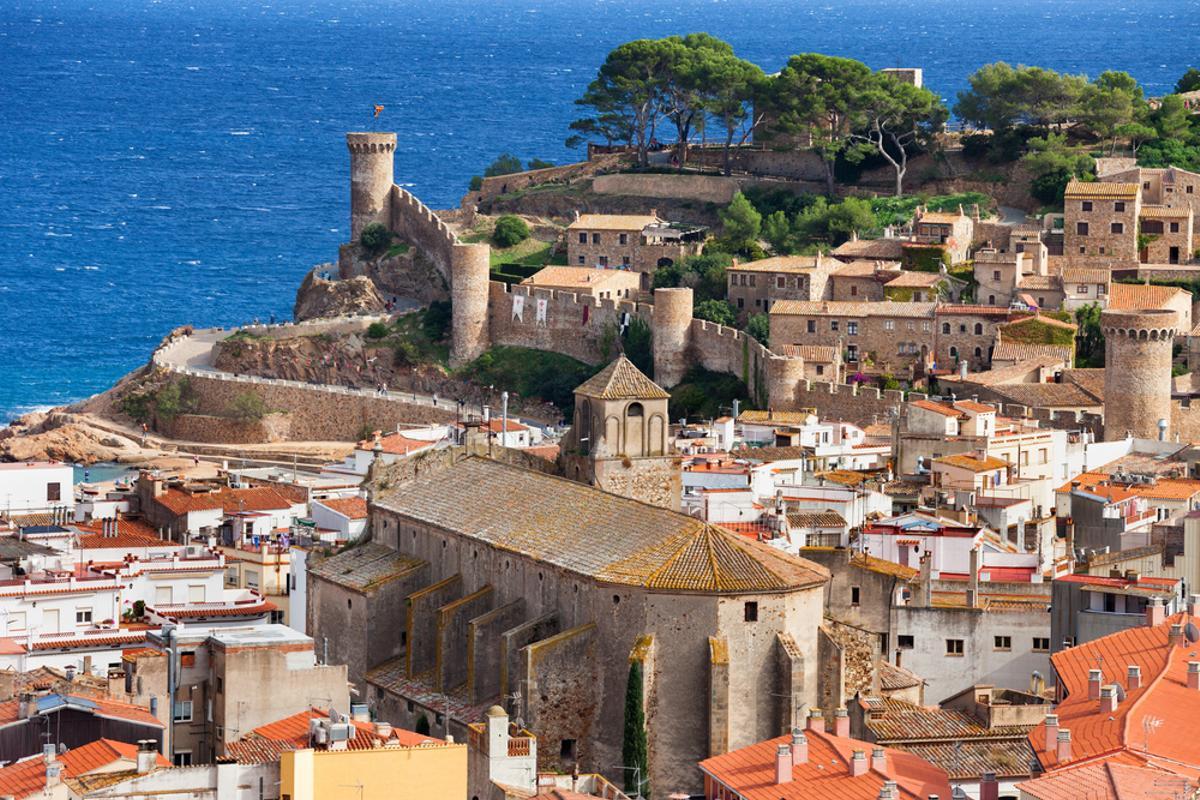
[1193, 604]
[879, 760]
[1135, 678]
[1095, 678]
[799, 747]
[1194, 675]
[1155, 613]
[816, 720]
[783, 764]
[989, 787]
[1108, 699]
[1064, 746]
[147, 756]
[858, 764]
[841, 723]
[1051, 730]
[973, 589]
[48, 753]
[27, 707]
[1176, 635]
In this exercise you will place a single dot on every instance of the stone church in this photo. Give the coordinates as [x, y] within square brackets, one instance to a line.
[489, 583]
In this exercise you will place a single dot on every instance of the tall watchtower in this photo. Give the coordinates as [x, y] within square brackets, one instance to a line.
[372, 175]
[1137, 371]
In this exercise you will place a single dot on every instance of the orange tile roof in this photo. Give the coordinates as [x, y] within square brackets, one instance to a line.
[27, 777]
[978, 408]
[266, 742]
[1093, 189]
[973, 463]
[1138, 296]
[130, 533]
[937, 408]
[352, 507]
[621, 380]
[1108, 780]
[750, 772]
[256, 498]
[396, 444]
[1157, 719]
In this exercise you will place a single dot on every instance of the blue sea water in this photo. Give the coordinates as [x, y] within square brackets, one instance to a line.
[166, 162]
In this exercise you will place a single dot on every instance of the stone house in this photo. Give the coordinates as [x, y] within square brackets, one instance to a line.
[888, 248]
[1165, 186]
[919, 287]
[1169, 235]
[755, 286]
[820, 363]
[639, 242]
[953, 230]
[602, 284]
[539, 592]
[967, 333]
[887, 336]
[1083, 286]
[1101, 223]
[863, 280]
[1015, 278]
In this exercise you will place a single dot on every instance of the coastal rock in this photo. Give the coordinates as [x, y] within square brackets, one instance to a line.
[74, 441]
[318, 297]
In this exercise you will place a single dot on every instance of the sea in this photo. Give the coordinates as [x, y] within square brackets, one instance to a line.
[165, 162]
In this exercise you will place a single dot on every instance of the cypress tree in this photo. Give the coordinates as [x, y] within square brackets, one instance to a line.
[633, 747]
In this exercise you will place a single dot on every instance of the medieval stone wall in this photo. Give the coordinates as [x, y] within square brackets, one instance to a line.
[414, 221]
[499, 185]
[219, 429]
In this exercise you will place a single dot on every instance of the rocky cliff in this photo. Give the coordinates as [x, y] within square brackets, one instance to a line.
[318, 297]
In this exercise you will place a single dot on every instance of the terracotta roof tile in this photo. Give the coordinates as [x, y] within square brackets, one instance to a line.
[130, 533]
[937, 408]
[621, 380]
[613, 222]
[1094, 189]
[1108, 780]
[1138, 296]
[844, 308]
[890, 249]
[257, 498]
[351, 507]
[973, 463]
[266, 742]
[590, 532]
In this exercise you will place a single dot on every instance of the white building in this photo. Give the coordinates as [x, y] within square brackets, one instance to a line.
[29, 487]
[347, 516]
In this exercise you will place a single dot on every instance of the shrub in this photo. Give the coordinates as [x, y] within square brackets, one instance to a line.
[505, 164]
[175, 398]
[435, 322]
[537, 163]
[375, 238]
[476, 183]
[377, 330]
[247, 407]
[759, 326]
[718, 311]
[510, 230]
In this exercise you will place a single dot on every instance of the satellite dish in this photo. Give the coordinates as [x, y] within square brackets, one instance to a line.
[1192, 632]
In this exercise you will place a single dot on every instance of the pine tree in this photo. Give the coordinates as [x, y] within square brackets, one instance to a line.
[633, 748]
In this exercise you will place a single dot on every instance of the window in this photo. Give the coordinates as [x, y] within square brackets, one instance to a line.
[979, 352]
[904, 642]
[1086, 205]
[852, 328]
[812, 326]
[566, 750]
[623, 238]
[780, 282]
[855, 595]
[1081, 228]
[1002, 643]
[1041, 644]
[945, 327]
[751, 611]
[53, 492]
[1118, 227]
[595, 238]
[1082, 250]
[634, 410]
[196, 593]
[1119, 205]
[820, 369]
[183, 758]
[889, 325]
[1174, 227]
[83, 616]
[1189, 190]
[833, 325]
[927, 326]
[16, 621]
[962, 328]
[996, 275]
[603, 261]
[954, 352]
[978, 328]
[753, 280]
[583, 237]
[954, 647]
[581, 259]
[220, 684]
[187, 659]
[991, 299]
[183, 712]
[625, 260]
[741, 302]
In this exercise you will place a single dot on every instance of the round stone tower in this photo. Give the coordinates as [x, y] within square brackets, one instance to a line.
[782, 376]
[470, 271]
[1137, 371]
[372, 174]
[672, 333]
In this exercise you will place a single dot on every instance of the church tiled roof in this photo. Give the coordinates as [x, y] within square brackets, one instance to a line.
[584, 530]
[621, 380]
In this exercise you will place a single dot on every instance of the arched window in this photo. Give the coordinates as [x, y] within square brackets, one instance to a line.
[979, 352]
[945, 327]
[634, 410]
[991, 299]
[978, 328]
[954, 352]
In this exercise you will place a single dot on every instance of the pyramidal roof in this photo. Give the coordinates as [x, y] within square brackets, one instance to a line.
[621, 380]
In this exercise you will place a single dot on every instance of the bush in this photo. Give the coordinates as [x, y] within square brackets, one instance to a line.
[531, 374]
[510, 230]
[247, 407]
[706, 394]
[435, 322]
[476, 183]
[175, 398]
[759, 326]
[375, 238]
[537, 163]
[505, 164]
[718, 311]
[377, 330]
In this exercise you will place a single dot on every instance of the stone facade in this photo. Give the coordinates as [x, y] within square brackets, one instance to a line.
[371, 179]
[641, 243]
[755, 286]
[1101, 221]
[214, 429]
[1138, 351]
[891, 337]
